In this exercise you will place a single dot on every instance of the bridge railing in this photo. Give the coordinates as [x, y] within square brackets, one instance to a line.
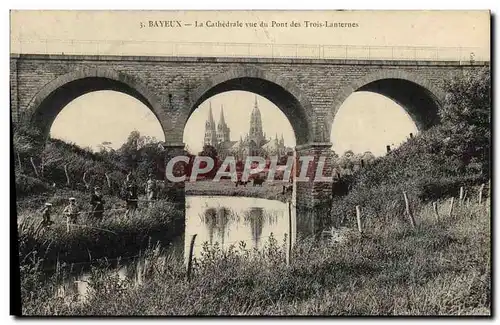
[253, 50]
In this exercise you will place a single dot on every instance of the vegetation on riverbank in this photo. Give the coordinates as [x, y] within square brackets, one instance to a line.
[433, 165]
[439, 268]
[269, 190]
[88, 240]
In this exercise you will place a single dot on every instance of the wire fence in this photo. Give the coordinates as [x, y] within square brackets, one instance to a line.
[252, 50]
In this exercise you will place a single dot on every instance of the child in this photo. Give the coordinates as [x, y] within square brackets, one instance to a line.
[71, 211]
[47, 209]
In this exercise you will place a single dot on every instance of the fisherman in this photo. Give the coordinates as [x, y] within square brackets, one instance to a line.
[97, 203]
[131, 199]
[71, 211]
[150, 189]
[47, 209]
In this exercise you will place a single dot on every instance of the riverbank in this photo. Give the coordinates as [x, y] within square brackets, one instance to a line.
[268, 190]
[115, 236]
[440, 268]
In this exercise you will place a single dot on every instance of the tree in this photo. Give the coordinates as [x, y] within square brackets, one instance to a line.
[129, 151]
[209, 151]
[466, 119]
[345, 162]
[468, 100]
[368, 157]
[105, 146]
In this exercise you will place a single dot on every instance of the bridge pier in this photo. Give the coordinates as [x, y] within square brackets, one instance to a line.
[175, 190]
[314, 192]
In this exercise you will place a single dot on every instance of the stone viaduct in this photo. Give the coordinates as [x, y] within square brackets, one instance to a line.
[308, 91]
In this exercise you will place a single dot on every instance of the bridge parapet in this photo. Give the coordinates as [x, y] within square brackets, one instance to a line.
[234, 59]
[248, 50]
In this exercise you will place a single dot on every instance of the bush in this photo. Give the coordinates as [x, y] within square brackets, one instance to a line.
[27, 185]
[115, 236]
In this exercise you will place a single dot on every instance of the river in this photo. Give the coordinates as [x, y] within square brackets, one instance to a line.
[216, 220]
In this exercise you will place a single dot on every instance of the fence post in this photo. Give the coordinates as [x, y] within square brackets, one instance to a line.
[289, 256]
[190, 260]
[20, 163]
[67, 224]
[481, 193]
[408, 211]
[358, 218]
[67, 176]
[461, 197]
[436, 213]
[451, 207]
[34, 167]
[108, 180]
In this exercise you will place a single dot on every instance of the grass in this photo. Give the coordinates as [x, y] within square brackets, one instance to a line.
[439, 268]
[269, 190]
[114, 236]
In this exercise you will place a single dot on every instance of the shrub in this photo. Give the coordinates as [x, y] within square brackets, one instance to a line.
[27, 185]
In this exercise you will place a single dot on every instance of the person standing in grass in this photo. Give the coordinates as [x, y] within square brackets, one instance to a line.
[46, 211]
[97, 203]
[150, 189]
[131, 199]
[71, 211]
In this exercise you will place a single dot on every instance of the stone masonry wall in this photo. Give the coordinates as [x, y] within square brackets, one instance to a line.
[323, 84]
[321, 81]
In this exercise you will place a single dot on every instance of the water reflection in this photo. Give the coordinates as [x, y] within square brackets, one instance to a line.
[310, 222]
[132, 272]
[231, 220]
[216, 220]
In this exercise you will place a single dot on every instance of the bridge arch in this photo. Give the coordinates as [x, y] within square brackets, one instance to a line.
[44, 107]
[419, 97]
[280, 91]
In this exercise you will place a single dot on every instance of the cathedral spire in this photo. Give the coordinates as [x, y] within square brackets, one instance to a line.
[221, 119]
[210, 115]
[210, 133]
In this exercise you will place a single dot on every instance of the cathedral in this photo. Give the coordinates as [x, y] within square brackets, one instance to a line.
[255, 142]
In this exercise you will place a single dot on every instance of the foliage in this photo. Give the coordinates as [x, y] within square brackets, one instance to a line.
[121, 235]
[432, 165]
[438, 269]
[209, 151]
[27, 185]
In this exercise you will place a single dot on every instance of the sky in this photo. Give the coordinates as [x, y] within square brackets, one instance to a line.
[95, 119]
[365, 122]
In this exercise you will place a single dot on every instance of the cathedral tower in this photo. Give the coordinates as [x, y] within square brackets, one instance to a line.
[256, 137]
[210, 133]
[222, 128]
[256, 133]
